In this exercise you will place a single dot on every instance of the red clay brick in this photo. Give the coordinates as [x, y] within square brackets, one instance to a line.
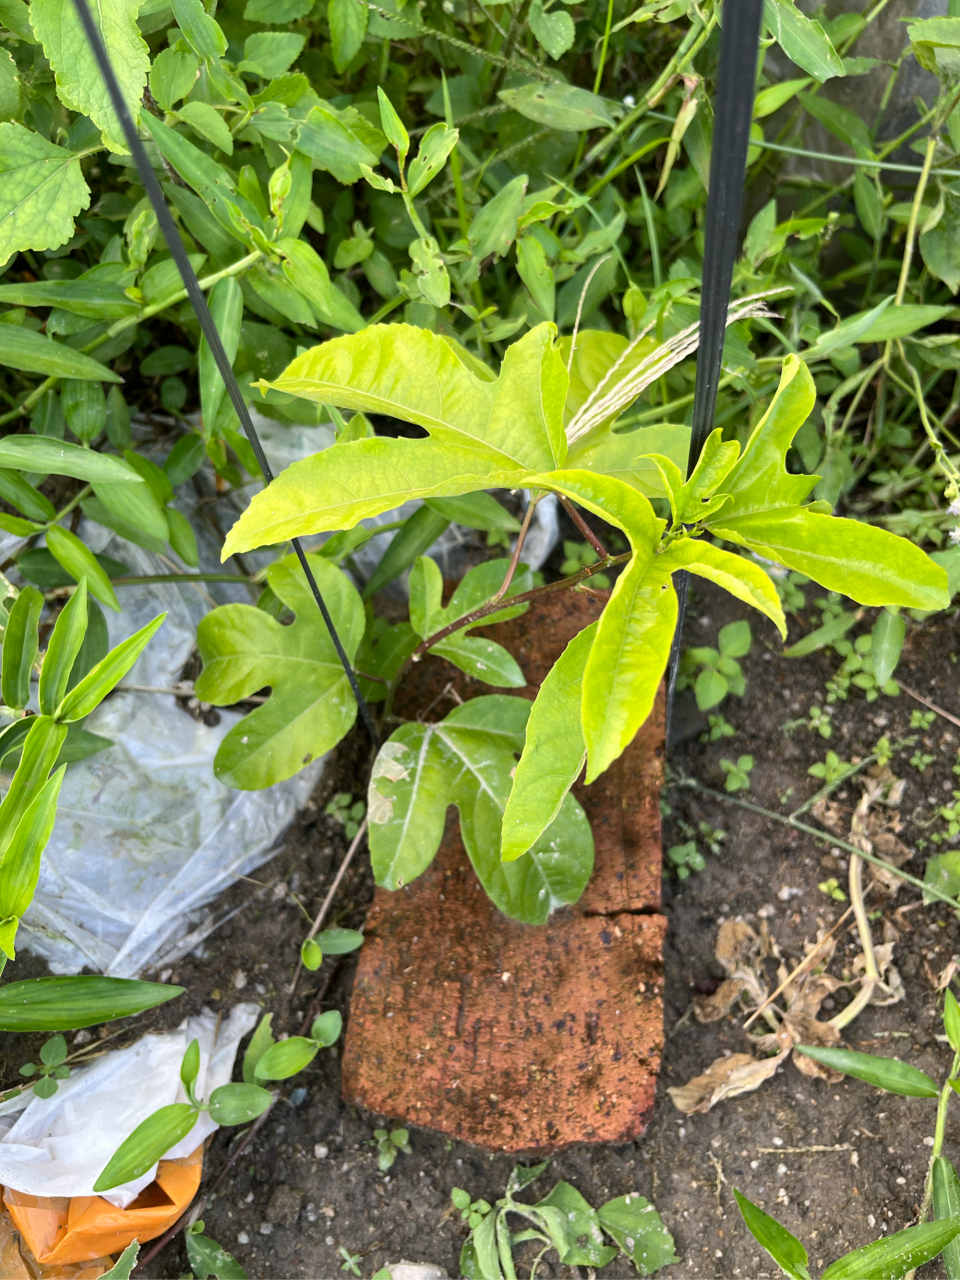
[510, 1036]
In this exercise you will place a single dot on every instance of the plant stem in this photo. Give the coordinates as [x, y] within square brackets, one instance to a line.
[584, 528]
[937, 1149]
[603, 48]
[914, 218]
[931, 891]
[515, 558]
[322, 913]
[871, 975]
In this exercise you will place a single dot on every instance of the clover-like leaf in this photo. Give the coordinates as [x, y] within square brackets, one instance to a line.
[311, 706]
[467, 760]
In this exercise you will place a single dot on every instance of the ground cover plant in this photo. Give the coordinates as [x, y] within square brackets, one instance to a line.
[474, 173]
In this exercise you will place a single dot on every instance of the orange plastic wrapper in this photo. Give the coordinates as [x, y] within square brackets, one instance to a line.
[60, 1230]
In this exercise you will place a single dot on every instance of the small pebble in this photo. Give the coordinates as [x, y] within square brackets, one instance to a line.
[266, 1228]
[329, 1240]
[242, 1238]
[248, 1199]
[321, 1151]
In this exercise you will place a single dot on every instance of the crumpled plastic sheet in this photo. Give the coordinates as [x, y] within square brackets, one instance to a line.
[146, 836]
[59, 1146]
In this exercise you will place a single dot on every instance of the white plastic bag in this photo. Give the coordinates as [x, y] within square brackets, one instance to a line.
[59, 1146]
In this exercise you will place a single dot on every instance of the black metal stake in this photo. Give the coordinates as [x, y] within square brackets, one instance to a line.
[207, 326]
[736, 77]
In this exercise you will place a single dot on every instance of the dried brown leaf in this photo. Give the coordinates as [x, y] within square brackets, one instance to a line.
[829, 814]
[725, 1078]
[712, 1008]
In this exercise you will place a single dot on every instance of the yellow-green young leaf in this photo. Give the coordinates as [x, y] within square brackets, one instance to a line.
[40, 750]
[764, 513]
[238, 1103]
[65, 1004]
[311, 706]
[20, 868]
[741, 577]
[870, 565]
[626, 455]
[311, 957]
[30, 352]
[80, 85]
[20, 643]
[467, 759]
[85, 696]
[62, 649]
[553, 751]
[946, 1206]
[484, 434]
[630, 651]
[776, 96]
[43, 190]
[892, 1257]
[81, 564]
[148, 1143]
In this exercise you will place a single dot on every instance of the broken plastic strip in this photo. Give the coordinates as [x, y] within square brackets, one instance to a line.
[207, 326]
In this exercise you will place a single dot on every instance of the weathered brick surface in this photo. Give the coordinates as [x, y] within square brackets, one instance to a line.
[515, 1037]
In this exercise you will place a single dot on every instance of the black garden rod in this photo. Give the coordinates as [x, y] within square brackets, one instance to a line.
[733, 113]
[207, 326]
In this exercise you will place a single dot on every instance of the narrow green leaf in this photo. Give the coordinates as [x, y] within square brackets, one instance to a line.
[226, 308]
[783, 1247]
[62, 649]
[885, 1073]
[68, 1004]
[30, 352]
[559, 106]
[82, 566]
[831, 630]
[96, 299]
[536, 274]
[417, 534]
[891, 1258]
[553, 750]
[285, 1058]
[951, 1019]
[148, 1143]
[20, 868]
[435, 145]
[20, 644]
[802, 39]
[392, 126]
[946, 1206]
[260, 1042]
[886, 644]
[475, 511]
[36, 453]
[202, 32]
[107, 674]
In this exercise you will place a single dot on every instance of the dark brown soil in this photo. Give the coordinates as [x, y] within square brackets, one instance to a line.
[309, 1184]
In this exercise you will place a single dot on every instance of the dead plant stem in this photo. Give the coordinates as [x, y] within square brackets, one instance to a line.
[515, 558]
[331, 892]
